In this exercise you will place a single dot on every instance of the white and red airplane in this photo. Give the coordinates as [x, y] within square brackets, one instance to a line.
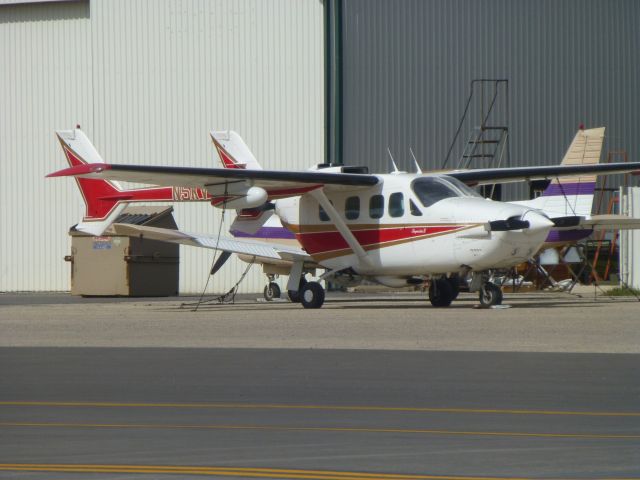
[566, 196]
[395, 229]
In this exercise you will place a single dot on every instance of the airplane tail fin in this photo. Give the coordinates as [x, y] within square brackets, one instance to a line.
[234, 153]
[104, 200]
[232, 150]
[573, 196]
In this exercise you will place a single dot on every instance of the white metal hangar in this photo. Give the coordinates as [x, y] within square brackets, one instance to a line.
[147, 80]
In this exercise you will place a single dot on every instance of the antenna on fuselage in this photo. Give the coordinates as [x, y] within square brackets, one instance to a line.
[418, 169]
[393, 162]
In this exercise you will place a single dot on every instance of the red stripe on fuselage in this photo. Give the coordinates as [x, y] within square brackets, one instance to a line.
[322, 242]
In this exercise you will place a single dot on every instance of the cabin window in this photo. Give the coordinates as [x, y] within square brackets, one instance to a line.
[396, 204]
[323, 215]
[376, 206]
[415, 211]
[352, 208]
[431, 190]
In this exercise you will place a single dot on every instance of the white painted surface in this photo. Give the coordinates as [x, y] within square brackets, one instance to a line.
[630, 239]
[45, 82]
[15, 2]
[147, 81]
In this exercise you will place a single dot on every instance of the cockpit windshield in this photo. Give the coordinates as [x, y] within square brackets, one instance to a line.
[433, 189]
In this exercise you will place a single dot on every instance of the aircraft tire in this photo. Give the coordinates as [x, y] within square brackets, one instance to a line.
[295, 296]
[454, 281]
[490, 294]
[312, 295]
[441, 293]
[271, 291]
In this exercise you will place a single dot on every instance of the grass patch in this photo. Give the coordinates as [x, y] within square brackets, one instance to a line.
[623, 292]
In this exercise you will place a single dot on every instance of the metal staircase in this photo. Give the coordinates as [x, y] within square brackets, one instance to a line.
[488, 142]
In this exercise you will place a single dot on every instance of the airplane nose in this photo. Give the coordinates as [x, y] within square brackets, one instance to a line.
[537, 222]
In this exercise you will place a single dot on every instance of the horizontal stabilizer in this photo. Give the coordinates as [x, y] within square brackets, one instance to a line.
[225, 244]
[98, 227]
[250, 224]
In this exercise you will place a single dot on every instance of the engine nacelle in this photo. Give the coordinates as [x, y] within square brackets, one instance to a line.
[251, 198]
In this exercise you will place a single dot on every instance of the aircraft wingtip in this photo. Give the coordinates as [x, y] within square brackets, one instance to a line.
[77, 170]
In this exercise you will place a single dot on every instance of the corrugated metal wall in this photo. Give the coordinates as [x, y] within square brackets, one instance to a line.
[147, 80]
[408, 65]
[169, 71]
[45, 84]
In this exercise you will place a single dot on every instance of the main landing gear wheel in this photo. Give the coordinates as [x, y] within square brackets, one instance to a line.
[271, 291]
[295, 296]
[490, 294]
[312, 295]
[441, 293]
[454, 281]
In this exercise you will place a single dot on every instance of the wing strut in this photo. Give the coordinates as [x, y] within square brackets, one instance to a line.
[342, 227]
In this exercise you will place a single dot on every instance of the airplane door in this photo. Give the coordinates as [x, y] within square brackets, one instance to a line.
[432, 247]
[447, 244]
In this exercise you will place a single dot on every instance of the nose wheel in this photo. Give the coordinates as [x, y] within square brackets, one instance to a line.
[490, 294]
[271, 291]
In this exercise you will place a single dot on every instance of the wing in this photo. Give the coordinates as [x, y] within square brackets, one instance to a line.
[262, 250]
[278, 184]
[484, 176]
[611, 222]
[596, 222]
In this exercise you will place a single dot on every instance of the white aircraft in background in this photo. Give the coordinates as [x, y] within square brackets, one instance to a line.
[395, 229]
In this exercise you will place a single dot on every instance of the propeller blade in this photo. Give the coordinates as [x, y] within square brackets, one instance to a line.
[512, 223]
[566, 222]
